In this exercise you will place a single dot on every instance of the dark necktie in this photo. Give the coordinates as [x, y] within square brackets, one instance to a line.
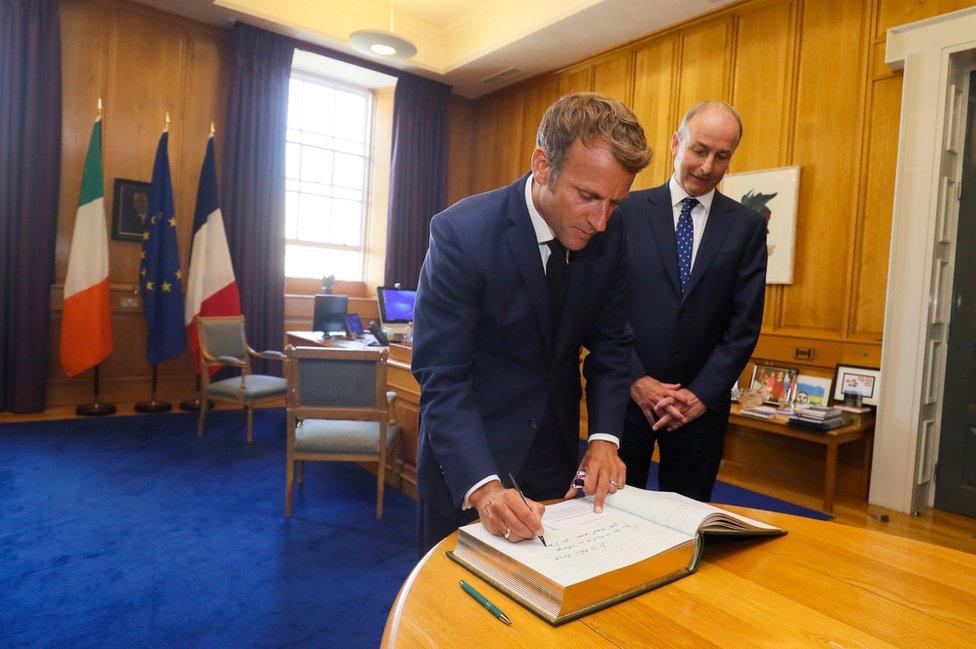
[557, 278]
[684, 235]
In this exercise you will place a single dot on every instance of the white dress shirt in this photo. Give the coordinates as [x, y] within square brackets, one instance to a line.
[543, 234]
[699, 213]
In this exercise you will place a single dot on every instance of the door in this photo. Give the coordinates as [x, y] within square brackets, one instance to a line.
[955, 488]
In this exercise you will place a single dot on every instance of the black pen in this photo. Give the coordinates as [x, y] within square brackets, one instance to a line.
[481, 599]
[515, 484]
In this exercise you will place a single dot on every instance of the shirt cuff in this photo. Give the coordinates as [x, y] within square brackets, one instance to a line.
[480, 483]
[604, 437]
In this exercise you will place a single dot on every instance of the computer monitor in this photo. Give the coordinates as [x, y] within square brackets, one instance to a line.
[396, 305]
[329, 314]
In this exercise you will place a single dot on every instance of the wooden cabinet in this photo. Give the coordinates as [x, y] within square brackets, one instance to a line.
[403, 468]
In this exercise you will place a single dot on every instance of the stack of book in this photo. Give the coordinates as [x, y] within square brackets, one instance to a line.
[818, 418]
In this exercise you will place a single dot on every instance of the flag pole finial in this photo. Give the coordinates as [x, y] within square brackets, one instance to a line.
[167, 121]
[212, 129]
[99, 106]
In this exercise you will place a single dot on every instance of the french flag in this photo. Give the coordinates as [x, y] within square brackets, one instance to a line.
[212, 289]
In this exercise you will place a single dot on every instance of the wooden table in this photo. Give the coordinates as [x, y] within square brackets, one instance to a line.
[822, 585]
[831, 440]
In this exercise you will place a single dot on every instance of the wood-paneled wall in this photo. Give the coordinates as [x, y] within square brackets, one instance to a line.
[809, 80]
[142, 63]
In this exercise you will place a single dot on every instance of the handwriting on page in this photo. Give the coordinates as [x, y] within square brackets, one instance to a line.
[589, 541]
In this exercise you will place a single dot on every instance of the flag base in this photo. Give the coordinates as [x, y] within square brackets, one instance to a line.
[95, 409]
[193, 405]
[154, 406]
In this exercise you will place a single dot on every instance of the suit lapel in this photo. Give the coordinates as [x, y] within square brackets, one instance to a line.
[660, 218]
[716, 229]
[525, 250]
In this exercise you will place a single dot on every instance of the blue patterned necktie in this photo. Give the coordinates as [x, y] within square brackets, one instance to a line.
[684, 234]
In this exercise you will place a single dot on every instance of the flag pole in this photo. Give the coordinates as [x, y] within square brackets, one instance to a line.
[154, 406]
[96, 408]
[193, 405]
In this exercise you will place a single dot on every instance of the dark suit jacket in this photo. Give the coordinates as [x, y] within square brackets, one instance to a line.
[482, 351]
[704, 340]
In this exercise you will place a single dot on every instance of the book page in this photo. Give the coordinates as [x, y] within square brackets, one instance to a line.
[583, 544]
[679, 512]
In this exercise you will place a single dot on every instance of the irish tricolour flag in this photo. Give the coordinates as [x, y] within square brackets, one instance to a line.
[212, 289]
[86, 324]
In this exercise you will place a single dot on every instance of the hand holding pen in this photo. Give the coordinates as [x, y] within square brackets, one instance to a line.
[505, 512]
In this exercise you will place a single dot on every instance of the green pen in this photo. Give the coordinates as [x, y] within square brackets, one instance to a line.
[481, 599]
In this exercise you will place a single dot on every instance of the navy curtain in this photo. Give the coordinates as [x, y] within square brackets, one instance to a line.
[30, 173]
[253, 191]
[418, 174]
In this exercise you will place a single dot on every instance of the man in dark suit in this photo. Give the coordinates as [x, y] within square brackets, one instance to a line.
[697, 262]
[515, 281]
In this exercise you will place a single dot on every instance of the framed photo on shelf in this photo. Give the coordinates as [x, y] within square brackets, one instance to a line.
[864, 382]
[780, 382]
[130, 204]
[812, 390]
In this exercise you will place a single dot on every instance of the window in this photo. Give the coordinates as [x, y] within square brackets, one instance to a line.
[326, 178]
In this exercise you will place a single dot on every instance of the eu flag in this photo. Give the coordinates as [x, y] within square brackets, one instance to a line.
[159, 281]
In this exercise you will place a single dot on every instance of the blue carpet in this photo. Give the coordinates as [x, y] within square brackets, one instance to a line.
[132, 532]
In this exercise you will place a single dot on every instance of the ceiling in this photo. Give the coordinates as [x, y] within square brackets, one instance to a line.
[461, 42]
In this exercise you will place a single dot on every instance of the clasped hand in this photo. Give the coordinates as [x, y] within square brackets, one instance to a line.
[666, 405]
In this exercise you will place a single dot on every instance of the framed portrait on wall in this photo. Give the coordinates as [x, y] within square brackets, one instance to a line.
[130, 204]
[774, 194]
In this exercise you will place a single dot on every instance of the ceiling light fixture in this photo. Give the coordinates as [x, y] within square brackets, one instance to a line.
[382, 43]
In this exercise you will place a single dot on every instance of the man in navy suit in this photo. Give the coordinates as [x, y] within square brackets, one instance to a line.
[515, 282]
[697, 262]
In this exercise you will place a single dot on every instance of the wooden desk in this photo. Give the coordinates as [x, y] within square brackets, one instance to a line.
[831, 440]
[822, 585]
[402, 472]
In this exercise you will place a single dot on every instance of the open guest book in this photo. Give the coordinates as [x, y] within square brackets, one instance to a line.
[642, 540]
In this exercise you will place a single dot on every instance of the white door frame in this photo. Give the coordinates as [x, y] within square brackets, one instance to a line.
[924, 50]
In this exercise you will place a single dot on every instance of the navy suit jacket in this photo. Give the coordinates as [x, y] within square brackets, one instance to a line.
[704, 339]
[482, 350]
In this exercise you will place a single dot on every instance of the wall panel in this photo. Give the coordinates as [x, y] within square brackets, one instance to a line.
[871, 269]
[614, 76]
[826, 145]
[706, 53]
[654, 78]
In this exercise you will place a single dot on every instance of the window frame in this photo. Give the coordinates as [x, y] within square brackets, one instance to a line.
[370, 96]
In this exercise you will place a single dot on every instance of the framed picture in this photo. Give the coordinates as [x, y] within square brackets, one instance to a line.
[773, 193]
[864, 382]
[130, 204]
[779, 381]
[812, 390]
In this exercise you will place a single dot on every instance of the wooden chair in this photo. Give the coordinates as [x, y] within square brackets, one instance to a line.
[338, 410]
[223, 343]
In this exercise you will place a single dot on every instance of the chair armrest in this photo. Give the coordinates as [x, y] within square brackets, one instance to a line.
[271, 355]
[230, 360]
[391, 397]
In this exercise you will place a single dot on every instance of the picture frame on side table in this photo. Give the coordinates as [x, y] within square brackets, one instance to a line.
[779, 381]
[812, 390]
[855, 381]
[774, 193]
